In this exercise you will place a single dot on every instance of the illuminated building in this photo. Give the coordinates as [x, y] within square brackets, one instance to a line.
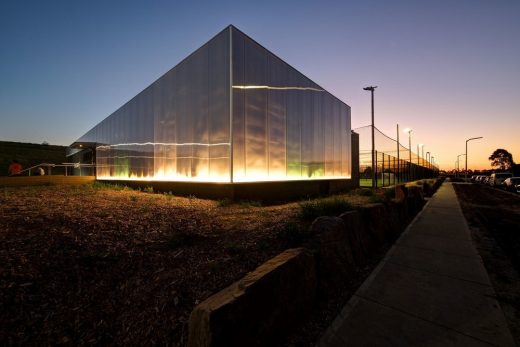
[230, 112]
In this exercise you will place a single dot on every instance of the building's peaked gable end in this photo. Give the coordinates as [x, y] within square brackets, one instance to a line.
[232, 111]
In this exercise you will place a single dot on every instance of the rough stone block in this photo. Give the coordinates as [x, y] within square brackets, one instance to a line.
[427, 189]
[411, 206]
[394, 223]
[400, 193]
[374, 217]
[402, 212]
[359, 244]
[334, 259]
[257, 309]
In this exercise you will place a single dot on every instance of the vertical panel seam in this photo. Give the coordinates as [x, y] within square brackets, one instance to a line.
[231, 104]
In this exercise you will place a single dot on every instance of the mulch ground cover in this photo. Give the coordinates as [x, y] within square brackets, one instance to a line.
[97, 265]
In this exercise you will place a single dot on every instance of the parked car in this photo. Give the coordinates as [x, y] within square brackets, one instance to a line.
[482, 179]
[512, 184]
[496, 179]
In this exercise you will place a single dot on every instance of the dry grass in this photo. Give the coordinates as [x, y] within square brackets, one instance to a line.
[98, 265]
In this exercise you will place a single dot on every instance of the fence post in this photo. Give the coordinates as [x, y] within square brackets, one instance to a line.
[374, 176]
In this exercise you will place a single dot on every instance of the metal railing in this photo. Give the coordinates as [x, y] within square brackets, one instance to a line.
[50, 166]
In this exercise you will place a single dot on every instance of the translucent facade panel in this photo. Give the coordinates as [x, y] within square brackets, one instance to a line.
[285, 126]
[238, 110]
[177, 129]
[276, 118]
[293, 114]
[219, 85]
[255, 111]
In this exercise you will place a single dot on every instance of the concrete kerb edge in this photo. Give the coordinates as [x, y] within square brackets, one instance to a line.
[351, 304]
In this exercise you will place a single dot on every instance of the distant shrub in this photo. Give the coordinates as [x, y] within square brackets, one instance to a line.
[224, 202]
[148, 189]
[292, 235]
[389, 194]
[364, 192]
[331, 206]
[110, 186]
[376, 198]
[251, 203]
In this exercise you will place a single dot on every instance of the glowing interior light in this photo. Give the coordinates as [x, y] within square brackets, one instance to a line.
[216, 178]
[276, 178]
[278, 88]
[133, 177]
[163, 144]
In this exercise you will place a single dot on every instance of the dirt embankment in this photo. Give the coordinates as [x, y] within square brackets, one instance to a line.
[494, 220]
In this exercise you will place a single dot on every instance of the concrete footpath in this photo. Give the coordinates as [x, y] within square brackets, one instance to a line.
[431, 289]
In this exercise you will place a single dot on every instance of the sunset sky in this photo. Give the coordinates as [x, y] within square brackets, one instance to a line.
[450, 70]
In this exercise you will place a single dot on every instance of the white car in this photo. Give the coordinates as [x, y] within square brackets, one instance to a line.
[512, 184]
[496, 179]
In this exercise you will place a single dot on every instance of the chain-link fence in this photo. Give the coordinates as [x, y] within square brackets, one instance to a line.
[393, 162]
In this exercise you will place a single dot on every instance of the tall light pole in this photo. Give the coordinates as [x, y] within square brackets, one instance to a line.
[398, 163]
[458, 163]
[409, 131]
[422, 152]
[374, 182]
[466, 166]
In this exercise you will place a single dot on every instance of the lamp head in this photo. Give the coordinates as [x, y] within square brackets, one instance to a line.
[371, 88]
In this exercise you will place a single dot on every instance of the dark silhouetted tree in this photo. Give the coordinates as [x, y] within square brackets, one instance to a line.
[502, 159]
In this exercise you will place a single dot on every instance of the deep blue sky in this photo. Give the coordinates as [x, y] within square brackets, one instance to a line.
[448, 69]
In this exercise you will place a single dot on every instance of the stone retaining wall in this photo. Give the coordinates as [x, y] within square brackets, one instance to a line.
[254, 311]
[278, 295]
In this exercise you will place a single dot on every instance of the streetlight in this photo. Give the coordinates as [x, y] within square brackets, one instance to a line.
[458, 166]
[420, 145]
[398, 162]
[409, 131]
[422, 152]
[374, 182]
[466, 167]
